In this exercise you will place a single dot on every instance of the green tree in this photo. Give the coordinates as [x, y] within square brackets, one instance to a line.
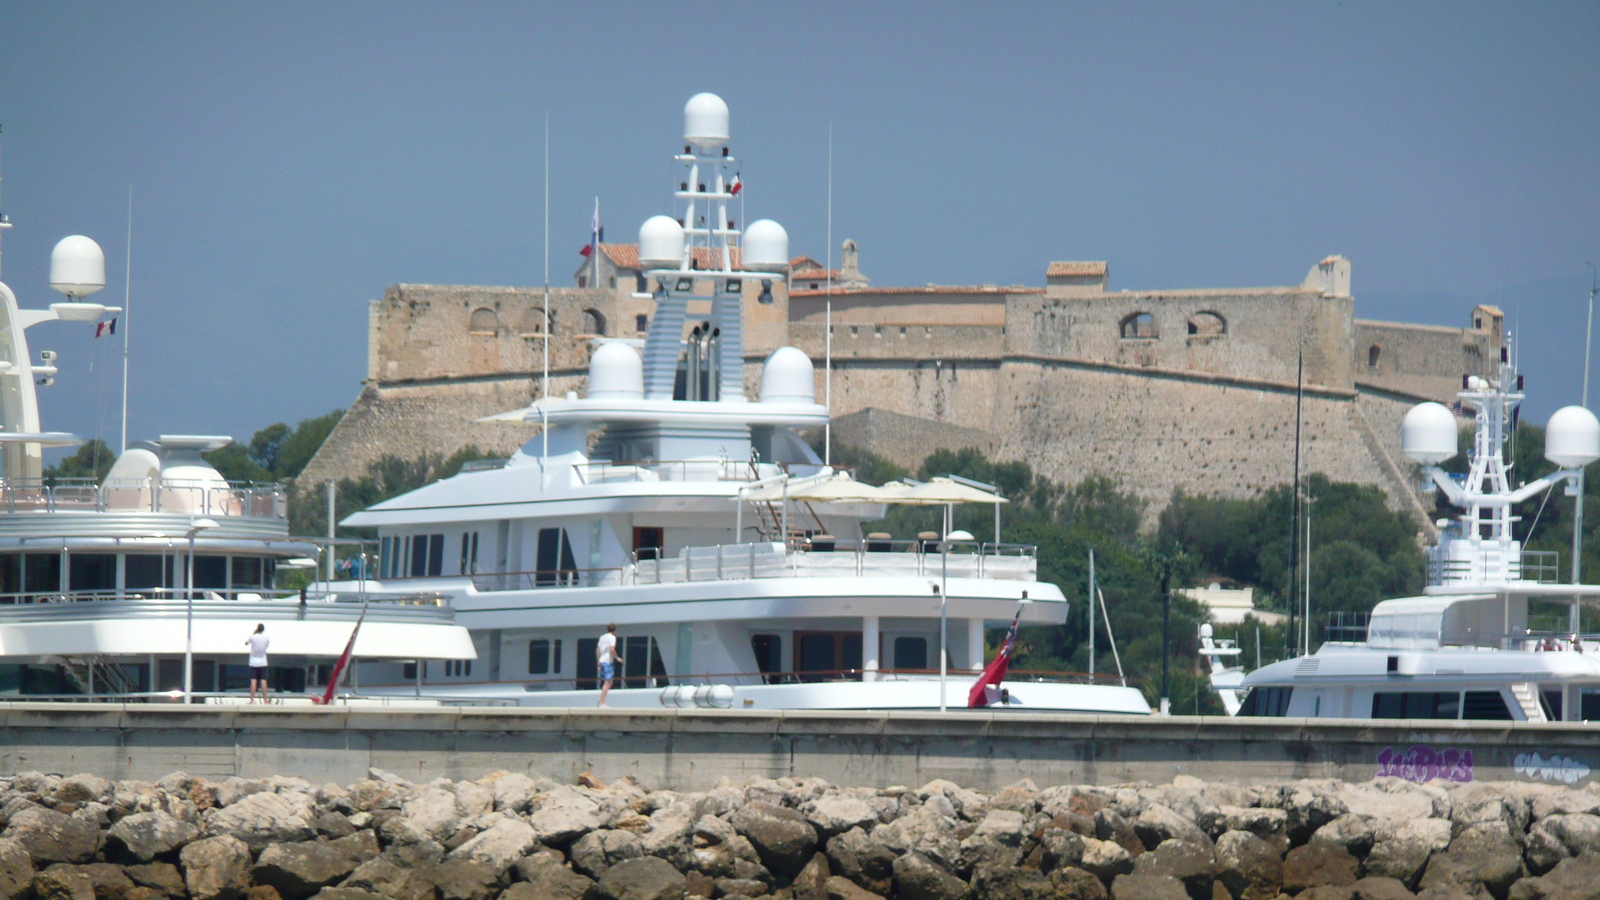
[93, 459]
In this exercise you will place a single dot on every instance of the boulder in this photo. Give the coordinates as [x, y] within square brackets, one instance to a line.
[916, 877]
[1189, 862]
[1575, 878]
[141, 837]
[782, 836]
[513, 792]
[343, 893]
[857, 857]
[1394, 798]
[81, 789]
[107, 881]
[393, 879]
[996, 842]
[1147, 887]
[63, 882]
[838, 887]
[1157, 823]
[1479, 803]
[1109, 825]
[810, 883]
[1378, 887]
[1565, 802]
[925, 831]
[332, 825]
[264, 818]
[1328, 892]
[598, 851]
[563, 814]
[833, 814]
[501, 844]
[468, 879]
[1352, 831]
[216, 868]
[1485, 854]
[435, 811]
[1076, 884]
[301, 869]
[51, 837]
[1248, 866]
[1557, 837]
[1318, 863]
[643, 878]
[161, 877]
[1010, 883]
[16, 869]
[1260, 821]
[1402, 852]
[1059, 847]
[1106, 860]
[1307, 806]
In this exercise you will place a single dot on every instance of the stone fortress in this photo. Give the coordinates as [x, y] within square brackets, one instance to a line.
[1191, 388]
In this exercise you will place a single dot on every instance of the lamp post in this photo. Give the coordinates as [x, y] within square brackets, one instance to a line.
[195, 527]
[944, 620]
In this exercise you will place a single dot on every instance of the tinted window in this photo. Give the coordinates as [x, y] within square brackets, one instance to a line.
[910, 653]
[93, 572]
[1485, 705]
[539, 657]
[211, 572]
[1267, 701]
[1416, 705]
[247, 572]
[41, 572]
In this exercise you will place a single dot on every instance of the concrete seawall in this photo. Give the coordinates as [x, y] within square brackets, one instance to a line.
[693, 749]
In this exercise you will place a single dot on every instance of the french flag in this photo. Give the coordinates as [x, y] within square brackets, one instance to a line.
[101, 328]
[596, 233]
[987, 690]
[735, 185]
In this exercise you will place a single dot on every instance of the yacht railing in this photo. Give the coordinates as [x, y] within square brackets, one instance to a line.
[242, 697]
[808, 676]
[602, 471]
[1537, 566]
[181, 596]
[732, 562]
[145, 495]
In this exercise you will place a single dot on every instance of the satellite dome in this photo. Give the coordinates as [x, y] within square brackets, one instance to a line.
[615, 373]
[1428, 434]
[705, 121]
[766, 247]
[787, 377]
[661, 243]
[1572, 439]
[77, 266]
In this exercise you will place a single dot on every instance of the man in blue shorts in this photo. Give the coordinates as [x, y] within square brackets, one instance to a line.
[606, 654]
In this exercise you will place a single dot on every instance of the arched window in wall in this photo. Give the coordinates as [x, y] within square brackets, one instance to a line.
[1207, 324]
[1139, 325]
[484, 321]
[594, 322]
[1373, 354]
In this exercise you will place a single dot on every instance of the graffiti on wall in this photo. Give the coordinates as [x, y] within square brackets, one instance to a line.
[1421, 763]
[1554, 767]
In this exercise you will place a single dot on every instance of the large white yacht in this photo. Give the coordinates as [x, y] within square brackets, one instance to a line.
[1494, 636]
[144, 585]
[734, 563]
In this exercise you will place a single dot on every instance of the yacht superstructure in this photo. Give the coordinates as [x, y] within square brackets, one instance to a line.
[145, 584]
[732, 560]
[1493, 636]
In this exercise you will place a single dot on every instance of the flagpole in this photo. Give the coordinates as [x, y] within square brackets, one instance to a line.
[127, 317]
[827, 354]
[544, 390]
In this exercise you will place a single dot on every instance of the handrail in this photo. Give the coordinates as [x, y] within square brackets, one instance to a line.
[243, 595]
[247, 499]
[776, 677]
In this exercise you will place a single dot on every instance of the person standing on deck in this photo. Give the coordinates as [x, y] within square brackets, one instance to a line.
[258, 662]
[608, 657]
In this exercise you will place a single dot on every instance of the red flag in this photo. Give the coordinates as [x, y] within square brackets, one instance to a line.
[736, 185]
[344, 661]
[995, 672]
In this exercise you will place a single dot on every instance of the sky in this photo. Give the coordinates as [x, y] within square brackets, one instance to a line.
[289, 161]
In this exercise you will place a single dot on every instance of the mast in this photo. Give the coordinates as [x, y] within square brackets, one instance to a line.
[127, 316]
[1294, 508]
[827, 318]
[544, 330]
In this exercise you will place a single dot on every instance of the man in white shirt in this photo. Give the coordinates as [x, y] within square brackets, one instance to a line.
[606, 654]
[258, 662]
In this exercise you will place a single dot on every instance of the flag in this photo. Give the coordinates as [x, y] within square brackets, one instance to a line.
[101, 328]
[995, 672]
[343, 663]
[596, 233]
[735, 185]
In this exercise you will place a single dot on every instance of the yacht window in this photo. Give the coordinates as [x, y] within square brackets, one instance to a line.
[93, 572]
[10, 577]
[427, 555]
[211, 572]
[247, 572]
[1551, 700]
[1416, 705]
[647, 543]
[544, 657]
[385, 557]
[910, 653]
[831, 654]
[142, 571]
[435, 554]
[768, 649]
[588, 664]
[642, 664]
[1485, 705]
[1267, 701]
[469, 552]
[556, 564]
[41, 572]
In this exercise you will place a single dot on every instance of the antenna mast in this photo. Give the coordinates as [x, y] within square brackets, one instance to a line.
[544, 389]
[827, 319]
[127, 316]
[6, 223]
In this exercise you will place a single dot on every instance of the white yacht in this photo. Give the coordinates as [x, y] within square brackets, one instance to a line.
[733, 561]
[1493, 636]
[145, 584]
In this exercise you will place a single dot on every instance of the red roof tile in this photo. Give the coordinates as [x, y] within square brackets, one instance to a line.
[626, 256]
[1070, 269]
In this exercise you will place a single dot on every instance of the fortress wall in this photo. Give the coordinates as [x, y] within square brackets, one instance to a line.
[906, 440]
[895, 307]
[1261, 331]
[1156, 434]
[1421, 360]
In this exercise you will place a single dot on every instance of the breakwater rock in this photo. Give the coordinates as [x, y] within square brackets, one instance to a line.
[508, 836]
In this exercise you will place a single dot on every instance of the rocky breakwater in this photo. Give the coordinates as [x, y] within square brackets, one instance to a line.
[508, 836]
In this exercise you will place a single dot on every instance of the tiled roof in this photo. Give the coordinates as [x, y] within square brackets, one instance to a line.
[1069, 269]
[928, 289]
[626, 256]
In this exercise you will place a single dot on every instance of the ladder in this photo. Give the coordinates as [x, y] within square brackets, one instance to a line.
[1527, 695]
[109, 676]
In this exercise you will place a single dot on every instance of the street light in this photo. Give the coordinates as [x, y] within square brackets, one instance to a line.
[944, 608]
[195, 527]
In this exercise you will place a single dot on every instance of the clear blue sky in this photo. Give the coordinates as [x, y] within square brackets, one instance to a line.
[291, 160]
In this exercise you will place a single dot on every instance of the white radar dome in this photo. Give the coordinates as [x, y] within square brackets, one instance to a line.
[787, 377]
[705, 121]
[766, 247]
[615, 373]
[1428, 434]
[661, 243]
[1572, 439]
[77, 266]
